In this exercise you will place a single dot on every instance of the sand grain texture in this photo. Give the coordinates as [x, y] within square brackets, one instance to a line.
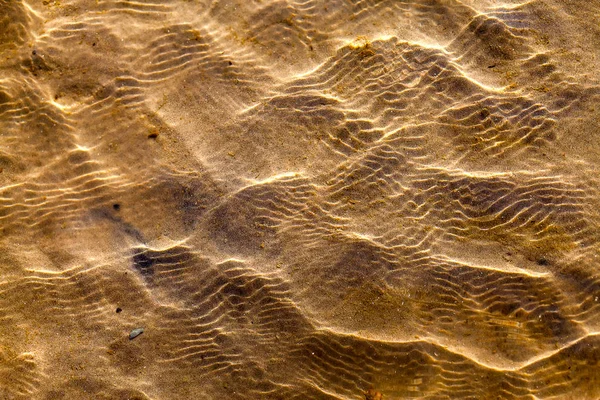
[349, 199]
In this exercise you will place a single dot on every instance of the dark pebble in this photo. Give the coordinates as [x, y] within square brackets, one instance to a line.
[542, 261]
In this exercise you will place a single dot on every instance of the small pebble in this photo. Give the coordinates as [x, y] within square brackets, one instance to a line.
[135, 333]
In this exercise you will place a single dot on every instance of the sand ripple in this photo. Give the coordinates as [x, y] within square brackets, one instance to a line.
[299, 199]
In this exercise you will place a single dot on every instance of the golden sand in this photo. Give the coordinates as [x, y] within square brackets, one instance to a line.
[299, 199]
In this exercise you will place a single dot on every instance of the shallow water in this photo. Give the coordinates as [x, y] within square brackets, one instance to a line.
[348, 199]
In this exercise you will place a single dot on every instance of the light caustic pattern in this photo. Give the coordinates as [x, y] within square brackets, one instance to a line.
[349, 199]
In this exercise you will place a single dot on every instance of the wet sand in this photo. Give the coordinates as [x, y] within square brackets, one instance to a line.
[348, 199]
